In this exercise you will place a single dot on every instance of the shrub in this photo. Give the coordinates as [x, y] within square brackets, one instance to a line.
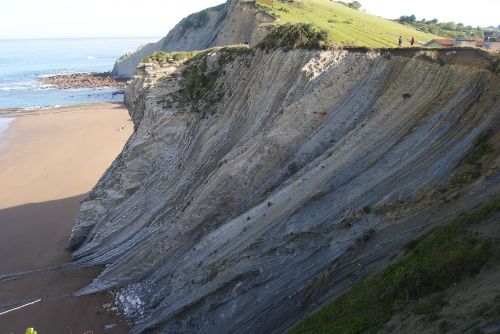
[198, 80]
[290, 36]
[168, 56]
[355, 4]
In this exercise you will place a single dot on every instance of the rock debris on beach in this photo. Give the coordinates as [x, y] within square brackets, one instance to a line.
[82, 80]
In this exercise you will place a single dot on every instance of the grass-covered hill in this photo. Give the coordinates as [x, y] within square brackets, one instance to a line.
[345, 25]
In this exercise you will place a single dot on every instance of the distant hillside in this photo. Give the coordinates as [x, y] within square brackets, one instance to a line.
[445, 29]
[346, 26]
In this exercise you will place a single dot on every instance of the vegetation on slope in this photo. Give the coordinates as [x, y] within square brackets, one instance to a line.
[162, 56]
[200, 86]
[433, 263]
[345, 25]
[199, 80]
[472, 166]
[290, 36]
[445, 29]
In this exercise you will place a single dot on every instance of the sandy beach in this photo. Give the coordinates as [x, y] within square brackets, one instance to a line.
[48, 160]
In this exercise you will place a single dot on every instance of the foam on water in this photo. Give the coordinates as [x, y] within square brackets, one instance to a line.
[4, 123]
[22, 62]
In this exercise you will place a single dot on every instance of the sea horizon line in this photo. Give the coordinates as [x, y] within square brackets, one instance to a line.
[62, 38]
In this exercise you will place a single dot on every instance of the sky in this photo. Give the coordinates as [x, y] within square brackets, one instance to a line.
[481, 13]
[154, 18]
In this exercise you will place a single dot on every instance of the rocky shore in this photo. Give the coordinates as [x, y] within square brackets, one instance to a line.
[83, 80]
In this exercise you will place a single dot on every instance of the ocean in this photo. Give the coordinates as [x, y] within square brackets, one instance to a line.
[23, 61]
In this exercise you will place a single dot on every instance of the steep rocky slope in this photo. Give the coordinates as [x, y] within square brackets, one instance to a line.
[259, 184]
[235, 22]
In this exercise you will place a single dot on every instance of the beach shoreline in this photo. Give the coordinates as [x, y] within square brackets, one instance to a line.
[20, 112]
[49, 159]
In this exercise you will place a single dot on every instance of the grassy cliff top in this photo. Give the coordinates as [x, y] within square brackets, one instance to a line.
[345, 25]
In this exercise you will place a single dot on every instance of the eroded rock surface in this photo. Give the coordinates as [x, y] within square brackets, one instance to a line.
[259, 184]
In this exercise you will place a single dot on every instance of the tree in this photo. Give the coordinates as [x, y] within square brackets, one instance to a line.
[410, 19]
[355, 4]
[450, 26]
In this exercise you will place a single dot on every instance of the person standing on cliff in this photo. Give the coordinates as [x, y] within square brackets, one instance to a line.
[412, 41]
[400, 41]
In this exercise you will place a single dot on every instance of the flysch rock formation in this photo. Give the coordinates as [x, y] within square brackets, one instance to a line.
[234, 22]
[258, 184]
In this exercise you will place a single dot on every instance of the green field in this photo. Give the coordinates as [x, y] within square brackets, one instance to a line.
[346, 26]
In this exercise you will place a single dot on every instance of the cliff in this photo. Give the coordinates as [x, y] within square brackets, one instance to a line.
[258, 184]
[235, 22]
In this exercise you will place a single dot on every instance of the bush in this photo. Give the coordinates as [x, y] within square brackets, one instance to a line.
[161, 56]
[355, 4]
[290, 36]
[198, 80]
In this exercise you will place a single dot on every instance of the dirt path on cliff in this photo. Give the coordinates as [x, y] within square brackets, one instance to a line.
[47, 162]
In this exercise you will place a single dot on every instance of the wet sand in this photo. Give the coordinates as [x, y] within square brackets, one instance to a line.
[48, 159]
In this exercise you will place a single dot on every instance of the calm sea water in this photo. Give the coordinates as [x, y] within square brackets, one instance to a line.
[23, 61]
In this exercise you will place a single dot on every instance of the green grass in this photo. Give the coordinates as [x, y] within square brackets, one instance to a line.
[435, 262]
[345, 26]
[199, 80]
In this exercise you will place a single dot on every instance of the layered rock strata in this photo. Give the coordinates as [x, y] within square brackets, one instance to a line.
[258, 184]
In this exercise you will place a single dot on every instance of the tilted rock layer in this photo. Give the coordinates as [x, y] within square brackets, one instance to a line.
[235, 22]
[258, 184]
